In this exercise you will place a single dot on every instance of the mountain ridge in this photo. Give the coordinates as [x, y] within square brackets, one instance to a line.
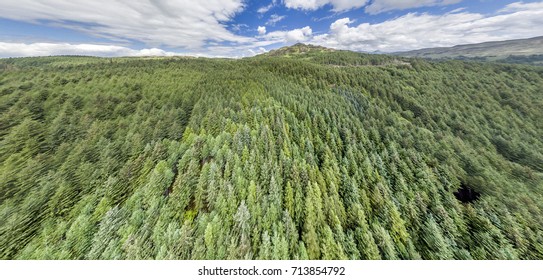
[492, 50]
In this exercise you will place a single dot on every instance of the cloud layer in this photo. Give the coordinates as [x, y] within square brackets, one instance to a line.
[182, 23]
[199, 27]
[338, 5]
[415, 31]
[372, 7]
[379, 6]
[48, 49]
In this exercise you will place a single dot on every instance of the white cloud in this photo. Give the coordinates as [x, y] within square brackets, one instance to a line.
[375, 7]
[521, 6]
[244, 50]
[299, 35]
[415, 31]
[291, 36]
[238, 26]
[48, 49]
[201, 29]
[275, 18]
[379, 6]
[257, 51]
[338, 5]
[265, 9]
[184, 23]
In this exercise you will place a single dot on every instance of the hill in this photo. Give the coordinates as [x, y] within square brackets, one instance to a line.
[515, 51]
[331, 57]
[323, 155]
[297, 49]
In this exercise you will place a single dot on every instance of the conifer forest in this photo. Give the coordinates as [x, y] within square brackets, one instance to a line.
[300, 153]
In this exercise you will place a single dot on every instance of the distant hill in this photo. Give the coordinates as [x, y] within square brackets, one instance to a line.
[527, 51]
[298, 49]
[333, 57]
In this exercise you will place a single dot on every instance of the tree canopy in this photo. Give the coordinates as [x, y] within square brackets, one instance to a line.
[316, 155]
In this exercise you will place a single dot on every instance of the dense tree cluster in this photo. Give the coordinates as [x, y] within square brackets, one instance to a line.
[534, 59]
[318, 155]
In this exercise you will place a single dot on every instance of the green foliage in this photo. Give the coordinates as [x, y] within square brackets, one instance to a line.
[305, 153]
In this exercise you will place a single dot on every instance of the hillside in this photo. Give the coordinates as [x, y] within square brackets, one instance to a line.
[322, 155]
[297, 49]
[332, 57]
[516, 51]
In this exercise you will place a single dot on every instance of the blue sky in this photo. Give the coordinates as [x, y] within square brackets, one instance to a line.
[237, 28]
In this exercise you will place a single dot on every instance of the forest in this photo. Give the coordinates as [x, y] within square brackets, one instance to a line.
[304, 153]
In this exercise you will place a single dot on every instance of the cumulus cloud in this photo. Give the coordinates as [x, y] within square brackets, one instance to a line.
[379, 6]
[415, 31]
[338, 5]
[299, 35]
[261, 30]
[291, 36]
[185, 23]
[48, 49]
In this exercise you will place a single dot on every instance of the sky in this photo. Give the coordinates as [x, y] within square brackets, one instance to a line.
[239, 28]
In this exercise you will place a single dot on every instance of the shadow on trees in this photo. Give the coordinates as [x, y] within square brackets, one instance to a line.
[466, 194]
